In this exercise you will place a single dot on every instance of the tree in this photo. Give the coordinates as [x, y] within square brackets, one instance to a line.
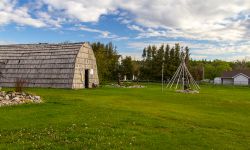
[136, 65]
[157, 63]
[196, 69]
[144, 53]
[151, 67]
[167, 62]
[149, 53]
[154, 51]
[187, 56]
[127, 67]
[107, 60]
[172, 64]
[241, 65]
[177, 59]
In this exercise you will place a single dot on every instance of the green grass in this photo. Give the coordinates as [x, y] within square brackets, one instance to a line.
[112, 118]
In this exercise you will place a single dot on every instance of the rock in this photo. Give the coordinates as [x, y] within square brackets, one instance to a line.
[7, 97]
[16, 99]
[30, 97]
[5, 102]
[13, 94]
[23, 94]
[188, 91]
[2, 93]
[19, 94]
[37, 97]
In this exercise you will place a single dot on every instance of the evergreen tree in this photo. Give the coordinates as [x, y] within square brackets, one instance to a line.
[177, 59]
[144, 53]
[157, 63]
[154, 51]
[167, 61]
[172, 61]
[149, 52]
[187, 56]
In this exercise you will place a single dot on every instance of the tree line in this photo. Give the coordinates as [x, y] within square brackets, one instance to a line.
[165, 57]
[113, 67]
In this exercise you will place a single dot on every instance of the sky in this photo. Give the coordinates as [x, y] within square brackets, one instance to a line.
[212, 29]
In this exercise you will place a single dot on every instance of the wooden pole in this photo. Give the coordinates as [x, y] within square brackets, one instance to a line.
[179, 78]
[170, 84]
[162, 76]
[183, 84]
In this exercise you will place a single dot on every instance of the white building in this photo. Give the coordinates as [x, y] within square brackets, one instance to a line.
[217, 80]
[234, 77]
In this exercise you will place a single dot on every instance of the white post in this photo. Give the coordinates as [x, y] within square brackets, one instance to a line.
[183, 84]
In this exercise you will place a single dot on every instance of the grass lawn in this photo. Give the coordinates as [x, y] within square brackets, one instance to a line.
[112, 118]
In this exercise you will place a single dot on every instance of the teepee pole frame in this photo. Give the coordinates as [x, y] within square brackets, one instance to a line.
[183, 77]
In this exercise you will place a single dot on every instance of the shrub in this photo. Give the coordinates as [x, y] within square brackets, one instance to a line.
[19, 85]
[127, 84]
[94, 85]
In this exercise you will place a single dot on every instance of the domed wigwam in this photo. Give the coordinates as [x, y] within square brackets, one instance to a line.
[62, 65]
[182, 79]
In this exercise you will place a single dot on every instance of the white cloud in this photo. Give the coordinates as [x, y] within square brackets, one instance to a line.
[225, 49]
[119, 38]
[141, 45]
[103, 34]
[133, 55]
[195, 19]
[209, 51]
[2, 42]
[199, 57]
[82, 10]
[136, 28]
[10, 13]
[226, 21]
[46, 18]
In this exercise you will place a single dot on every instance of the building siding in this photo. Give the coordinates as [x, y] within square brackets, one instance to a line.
[227, 81]
[217, 80]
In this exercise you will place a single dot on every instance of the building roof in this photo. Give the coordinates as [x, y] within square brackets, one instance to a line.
[233, 73]
[28, 54]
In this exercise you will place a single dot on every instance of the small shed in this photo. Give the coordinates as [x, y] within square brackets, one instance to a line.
[68, 65]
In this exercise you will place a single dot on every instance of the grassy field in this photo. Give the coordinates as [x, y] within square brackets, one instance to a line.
[111, 118]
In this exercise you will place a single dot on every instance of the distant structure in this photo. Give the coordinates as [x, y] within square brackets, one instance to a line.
[235, 77]
[183, 80]
[67, 65]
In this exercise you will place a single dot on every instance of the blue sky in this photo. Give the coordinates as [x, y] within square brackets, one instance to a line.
[212, 29]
